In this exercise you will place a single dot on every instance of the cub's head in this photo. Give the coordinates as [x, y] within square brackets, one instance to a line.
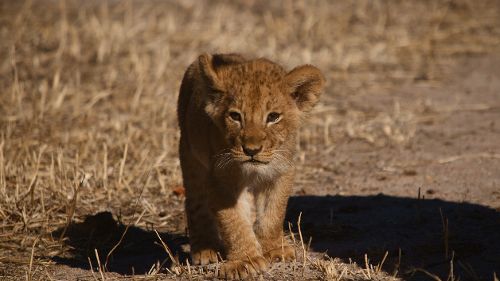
[257, 107]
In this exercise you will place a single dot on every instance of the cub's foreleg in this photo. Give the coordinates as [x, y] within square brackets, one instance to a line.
[271, 204]
[202, 226]
[243, 251]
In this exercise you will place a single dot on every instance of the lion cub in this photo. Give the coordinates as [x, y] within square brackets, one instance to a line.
[239, 121]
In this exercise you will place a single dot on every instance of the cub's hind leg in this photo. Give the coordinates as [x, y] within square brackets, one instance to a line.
[202, 227]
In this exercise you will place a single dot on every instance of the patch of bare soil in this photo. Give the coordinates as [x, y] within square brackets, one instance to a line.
[433, 203]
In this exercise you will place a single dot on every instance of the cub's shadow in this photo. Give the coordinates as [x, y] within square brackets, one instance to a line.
[137, 251]
[416, 233]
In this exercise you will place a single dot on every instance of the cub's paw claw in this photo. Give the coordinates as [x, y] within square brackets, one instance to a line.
[241, 269]
[203, 257]
[287, 253]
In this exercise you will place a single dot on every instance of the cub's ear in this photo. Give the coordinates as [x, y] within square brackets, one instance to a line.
[305, 83]
[208, 73]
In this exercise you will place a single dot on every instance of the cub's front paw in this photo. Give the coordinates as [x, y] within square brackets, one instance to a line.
[203, 257]
[285, 253]
[241, 269]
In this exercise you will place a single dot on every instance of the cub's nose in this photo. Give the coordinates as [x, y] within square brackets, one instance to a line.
[251, 151]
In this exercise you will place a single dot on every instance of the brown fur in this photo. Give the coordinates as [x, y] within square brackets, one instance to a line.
[236, 206]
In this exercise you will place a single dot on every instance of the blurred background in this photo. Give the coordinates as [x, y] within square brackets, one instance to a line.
[88, 93]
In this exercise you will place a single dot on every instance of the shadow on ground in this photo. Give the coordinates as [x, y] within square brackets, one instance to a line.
[424, 230]
[427, 233]
[138, 251]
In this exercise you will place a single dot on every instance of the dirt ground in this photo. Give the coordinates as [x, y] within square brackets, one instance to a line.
[372, 200]
[398, 166]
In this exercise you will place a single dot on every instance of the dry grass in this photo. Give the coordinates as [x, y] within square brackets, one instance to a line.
[336, 270]
[88, 94]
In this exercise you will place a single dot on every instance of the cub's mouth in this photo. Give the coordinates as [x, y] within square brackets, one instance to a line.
[254, 161]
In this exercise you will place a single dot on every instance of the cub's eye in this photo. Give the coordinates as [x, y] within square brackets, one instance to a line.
[273, 117]
[235, 116]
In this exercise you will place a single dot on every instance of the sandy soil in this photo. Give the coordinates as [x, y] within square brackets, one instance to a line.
[435, 198]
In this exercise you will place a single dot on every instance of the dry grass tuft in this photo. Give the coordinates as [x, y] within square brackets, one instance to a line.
[88, 91]
[336, 270]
